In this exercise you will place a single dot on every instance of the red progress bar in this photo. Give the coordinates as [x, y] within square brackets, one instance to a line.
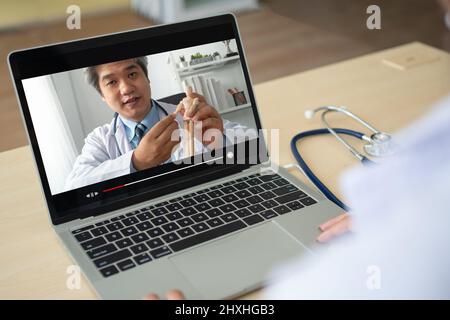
[114, 188]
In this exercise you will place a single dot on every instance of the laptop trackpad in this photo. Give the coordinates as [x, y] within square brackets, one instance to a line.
[231, 265]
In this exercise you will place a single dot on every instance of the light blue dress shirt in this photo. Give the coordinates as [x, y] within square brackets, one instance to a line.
[149, 121]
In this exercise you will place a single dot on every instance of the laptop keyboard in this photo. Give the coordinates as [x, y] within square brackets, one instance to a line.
[155, 231]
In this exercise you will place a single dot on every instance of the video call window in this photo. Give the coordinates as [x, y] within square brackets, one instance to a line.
[90, 122]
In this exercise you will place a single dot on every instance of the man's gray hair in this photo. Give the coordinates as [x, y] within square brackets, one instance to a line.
[92, 75]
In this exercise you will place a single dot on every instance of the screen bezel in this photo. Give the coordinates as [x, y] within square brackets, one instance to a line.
[74, 204]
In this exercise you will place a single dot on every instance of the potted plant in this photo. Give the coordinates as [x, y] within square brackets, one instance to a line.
[199, 58]
[183, 63]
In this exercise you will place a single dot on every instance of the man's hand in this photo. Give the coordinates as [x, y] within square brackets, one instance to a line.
[156, 145]
[334, 228]
[170, 295]
[194, 107]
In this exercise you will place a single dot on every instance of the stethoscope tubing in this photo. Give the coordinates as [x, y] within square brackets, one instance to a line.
[308, 172]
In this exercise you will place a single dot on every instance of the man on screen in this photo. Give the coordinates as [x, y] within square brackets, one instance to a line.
[143, 133]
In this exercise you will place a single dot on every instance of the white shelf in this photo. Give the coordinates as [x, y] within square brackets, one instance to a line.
[206, 66]
[241, 107]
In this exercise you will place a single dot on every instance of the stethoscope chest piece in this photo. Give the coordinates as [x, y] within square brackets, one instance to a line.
[380, 145]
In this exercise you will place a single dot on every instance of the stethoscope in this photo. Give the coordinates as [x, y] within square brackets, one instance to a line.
[379, 144]
[116, 116]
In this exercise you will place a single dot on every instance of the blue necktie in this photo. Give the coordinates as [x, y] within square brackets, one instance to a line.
[139, 132]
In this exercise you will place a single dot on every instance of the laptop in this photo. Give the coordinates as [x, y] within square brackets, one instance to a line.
[212, 223]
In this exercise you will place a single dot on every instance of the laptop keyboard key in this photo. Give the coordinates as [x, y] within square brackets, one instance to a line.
[256, 208]
[155, 232]
[241, 185]
[126, 265]
[160, 252]
[82, 229]
[229, 217]
[159, 221]
[113, 236]
[123, 243]
[291, 197]
[241, 204]
[256, 190]
[109, 271]
[188, 202]
[114, 226]
[253, 219]
[229, 189]
[185, 222]
[185, 232]
[269, 177]
[174, 207]
[308, 201]
[199, 217]
[281, 182]
[282, 209]
[202, 198]
[202, 207]
[99, 231]
[254, 182]
[170, 237]
[145, 216]
[188, 211]
[130, 221]
[140, 237]
[154, 243]
[144, 226]
[159, 211]
[139, 248]
[142, 258]
[227, 208]
[295, 205]
[101, 251]
[200, 227]
[112, 258]
[172, 226]
[212, 213]
[269, 214]
[214, 222]
[129, 231]
[229, 198]
[216, 202]
[285, 190]
[83, 236]
[243, 194]
[269, 204]
[174, 216]
[255, 199]
[215, 193]
[207, 235]
[90, 244]
[242, 213]
[267, 195]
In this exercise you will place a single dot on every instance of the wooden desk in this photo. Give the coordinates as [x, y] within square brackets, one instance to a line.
[32, 262]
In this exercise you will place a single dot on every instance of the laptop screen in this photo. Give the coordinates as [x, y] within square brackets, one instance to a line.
[122, 118]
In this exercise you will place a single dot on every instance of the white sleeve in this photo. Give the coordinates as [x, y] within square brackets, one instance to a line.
[94, 164]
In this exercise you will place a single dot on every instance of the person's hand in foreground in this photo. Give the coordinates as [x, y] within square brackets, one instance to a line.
[170, 295]
[334, 227]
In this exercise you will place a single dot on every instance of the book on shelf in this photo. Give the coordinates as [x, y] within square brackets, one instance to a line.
[208, 87]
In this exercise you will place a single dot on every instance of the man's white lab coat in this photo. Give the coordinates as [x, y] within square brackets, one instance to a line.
[106, 155]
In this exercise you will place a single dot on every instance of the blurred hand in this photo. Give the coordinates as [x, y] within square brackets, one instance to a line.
[334, 227]
[170, 295]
